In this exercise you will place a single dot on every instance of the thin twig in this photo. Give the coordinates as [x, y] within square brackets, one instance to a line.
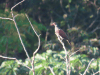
[7, 57]
[17, 4]
[36, 35]
[33, 58]
[61, 4]
[74, 53]
[93, 22]
[95, 29]
[16, 60]
[88, 66]
[96, 72]
[92, 71]
[69, 65]
[6, 18]
[51, 69]
[46, 37]
[62, 45]
[57, 14]
[16, 15]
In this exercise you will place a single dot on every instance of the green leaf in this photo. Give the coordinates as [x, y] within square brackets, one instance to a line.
[67, 6]
[91, 16]
[70, 1]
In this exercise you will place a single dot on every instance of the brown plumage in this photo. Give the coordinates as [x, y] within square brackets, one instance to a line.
[60, 33]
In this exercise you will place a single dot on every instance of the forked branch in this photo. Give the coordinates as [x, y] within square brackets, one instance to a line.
[16, 61]
[33, 58]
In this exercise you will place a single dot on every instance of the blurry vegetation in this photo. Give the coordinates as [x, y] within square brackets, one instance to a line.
[78, 18]
[53, 59]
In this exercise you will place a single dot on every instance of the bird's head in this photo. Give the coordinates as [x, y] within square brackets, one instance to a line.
[53, 24]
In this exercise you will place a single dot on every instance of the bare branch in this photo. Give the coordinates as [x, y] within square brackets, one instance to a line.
[51, 69]
[33, 58]
[7, 57]
[16, 15]
[96, 72]
[62, 6]
[69, 67]
[95, 29]
[93, 22]
[18, 29]
[74, 53]
[36, 35]
[88, 66]
[16, 60]
[6, 18]
[46, 37]
[62, 45]
[17, 4]
[66, 57]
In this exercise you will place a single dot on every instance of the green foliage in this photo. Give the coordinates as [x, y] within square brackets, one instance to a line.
[53, 59]
[12, 68]
[9, 37]
[70, 1]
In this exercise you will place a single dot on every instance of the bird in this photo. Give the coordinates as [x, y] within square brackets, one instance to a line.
[60, 33]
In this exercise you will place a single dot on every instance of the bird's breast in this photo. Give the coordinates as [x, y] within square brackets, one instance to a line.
[56, 31]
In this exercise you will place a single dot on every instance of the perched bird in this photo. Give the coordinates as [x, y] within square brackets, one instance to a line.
[60, 33]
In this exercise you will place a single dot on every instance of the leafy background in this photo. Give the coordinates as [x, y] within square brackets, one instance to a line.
[79, 19]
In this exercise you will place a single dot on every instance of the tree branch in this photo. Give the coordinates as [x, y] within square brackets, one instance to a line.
[66, 58]
[88, 66]
[36, 35]
[51, 69]
[95, 29]
[17, 4]
[18, 29]
[16, 60]
[96, 72]
[74, 53]
[33, 58]
[93, 22]
[6, 18]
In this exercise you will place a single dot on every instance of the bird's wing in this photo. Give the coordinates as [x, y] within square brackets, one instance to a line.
[63, 34]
